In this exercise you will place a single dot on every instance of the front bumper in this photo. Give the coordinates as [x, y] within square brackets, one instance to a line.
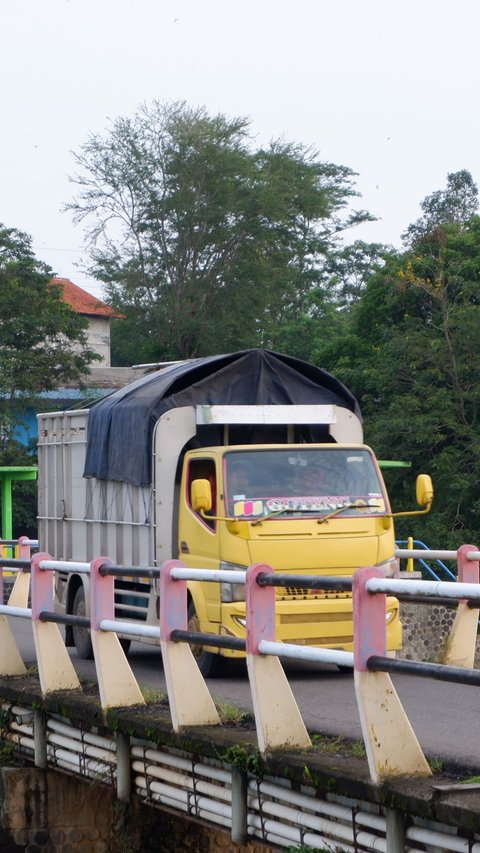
[326, 622]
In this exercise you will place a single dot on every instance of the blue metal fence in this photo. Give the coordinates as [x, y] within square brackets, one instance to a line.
[431, 568]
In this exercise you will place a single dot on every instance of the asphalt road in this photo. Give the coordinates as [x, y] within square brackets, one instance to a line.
[444, 716]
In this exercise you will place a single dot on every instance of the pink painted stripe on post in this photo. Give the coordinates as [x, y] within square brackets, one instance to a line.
[24, 551]
[369, 619]
[467, 570]
[173, 600]
[42, 586]
[260, 608]
[102, 593]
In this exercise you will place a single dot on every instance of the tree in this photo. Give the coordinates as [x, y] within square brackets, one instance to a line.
[205, 243]
[42, 341]
[454, 205]
[317, 333]
[42, 344]
[413, 361]
[349, 269]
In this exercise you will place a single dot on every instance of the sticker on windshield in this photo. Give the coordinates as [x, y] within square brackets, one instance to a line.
[321, 504]
[248, 508]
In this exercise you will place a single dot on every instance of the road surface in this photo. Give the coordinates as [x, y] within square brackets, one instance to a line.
[445, 717]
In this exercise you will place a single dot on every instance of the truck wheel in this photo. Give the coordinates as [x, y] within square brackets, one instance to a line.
[81, 636]
[210, 665]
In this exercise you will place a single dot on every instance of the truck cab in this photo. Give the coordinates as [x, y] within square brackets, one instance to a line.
[320, 508]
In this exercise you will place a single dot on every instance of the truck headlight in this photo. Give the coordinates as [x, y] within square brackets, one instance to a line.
[230, 592]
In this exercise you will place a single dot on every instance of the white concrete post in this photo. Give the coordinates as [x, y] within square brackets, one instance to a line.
[277, 718]
[390, 742]
[55, 668]
[11, 662]
[189, 697]
[116, 681]
[21, 588]
[461, 642]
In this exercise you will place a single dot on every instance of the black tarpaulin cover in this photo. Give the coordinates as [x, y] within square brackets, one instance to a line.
[120, 427]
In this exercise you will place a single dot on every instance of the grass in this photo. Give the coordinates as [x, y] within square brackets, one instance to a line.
[151, 695]
[436, 764]
[335, 745]
[230, 713]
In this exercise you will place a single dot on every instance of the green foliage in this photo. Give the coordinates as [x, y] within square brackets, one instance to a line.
[230, 713]
[327, 744]
[42, 341]
[152, 695]
[436, 764]
[240, 757]
[348, 269]
[454, 205]
[338, 745]
[6, 754]
[206, 244]
[42, 344]
[357, 748]
[323, 333]
[410, 355]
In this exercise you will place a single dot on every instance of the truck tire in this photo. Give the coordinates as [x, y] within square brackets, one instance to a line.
[210, 665]
[81, 636]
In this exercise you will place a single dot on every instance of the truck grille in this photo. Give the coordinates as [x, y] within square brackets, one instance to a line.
[298, 592]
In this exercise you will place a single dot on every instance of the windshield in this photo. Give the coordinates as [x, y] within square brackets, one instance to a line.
[311, 482]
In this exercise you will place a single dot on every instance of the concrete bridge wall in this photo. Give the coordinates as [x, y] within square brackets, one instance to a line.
[175, 779]
[43, 811]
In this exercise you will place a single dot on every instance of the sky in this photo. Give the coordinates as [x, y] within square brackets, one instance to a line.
[388, 88]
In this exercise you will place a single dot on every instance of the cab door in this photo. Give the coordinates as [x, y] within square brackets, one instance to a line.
[198, 536]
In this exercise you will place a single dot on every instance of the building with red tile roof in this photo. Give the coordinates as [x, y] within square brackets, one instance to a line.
[100, 379]
[98, 313]
[83, 302]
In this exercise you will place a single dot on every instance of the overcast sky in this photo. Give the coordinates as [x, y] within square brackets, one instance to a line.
[388, 88]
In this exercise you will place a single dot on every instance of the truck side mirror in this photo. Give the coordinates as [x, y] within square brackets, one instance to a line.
[201, 495]
[424, 490]
[424, 498]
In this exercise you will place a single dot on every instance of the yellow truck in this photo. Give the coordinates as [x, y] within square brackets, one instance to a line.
[221, 462]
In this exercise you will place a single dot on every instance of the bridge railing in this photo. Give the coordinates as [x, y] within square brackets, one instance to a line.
[416, 550]
[22, 551]
[391, 745]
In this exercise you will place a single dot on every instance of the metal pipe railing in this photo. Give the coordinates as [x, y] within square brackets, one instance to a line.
[424, 555]
[369, 588]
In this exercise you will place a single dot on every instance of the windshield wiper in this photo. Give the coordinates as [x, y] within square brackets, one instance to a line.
[340, 509]
[280, 512]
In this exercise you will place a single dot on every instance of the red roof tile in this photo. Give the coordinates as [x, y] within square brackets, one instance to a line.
[83, 302]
